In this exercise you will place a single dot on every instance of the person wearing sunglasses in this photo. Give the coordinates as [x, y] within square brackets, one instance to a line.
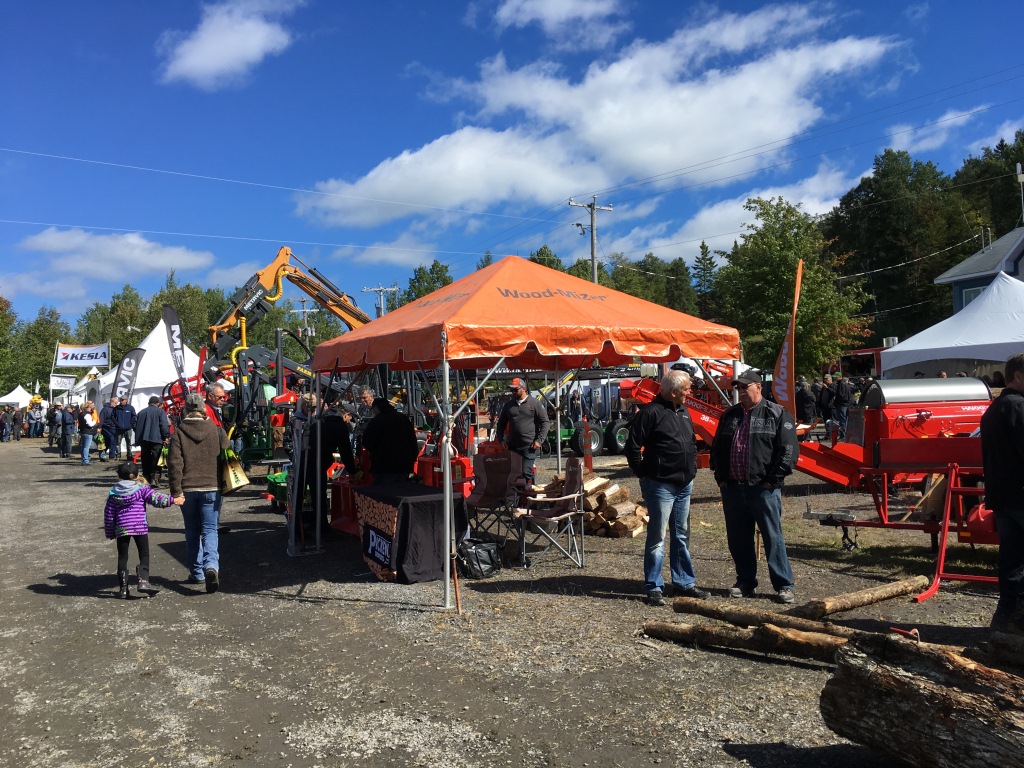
[754, 449]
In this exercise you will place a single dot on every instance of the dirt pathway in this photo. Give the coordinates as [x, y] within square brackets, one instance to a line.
[310, 662]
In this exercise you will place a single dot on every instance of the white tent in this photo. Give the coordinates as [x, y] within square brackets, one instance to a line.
[87, 388]
[977, 339]
[155, 372]
[17, 395]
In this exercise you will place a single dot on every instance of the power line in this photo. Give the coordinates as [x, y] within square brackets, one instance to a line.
[908, 261]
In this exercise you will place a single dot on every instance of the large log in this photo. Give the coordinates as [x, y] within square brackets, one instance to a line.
[735, 613]
[766, 638]
[816, 609]
[925, 706]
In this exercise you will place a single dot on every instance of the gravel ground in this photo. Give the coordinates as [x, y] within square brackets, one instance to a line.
[310, 662]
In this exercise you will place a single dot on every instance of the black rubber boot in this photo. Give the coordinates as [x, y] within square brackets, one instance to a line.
[122, 577]
[143, 584]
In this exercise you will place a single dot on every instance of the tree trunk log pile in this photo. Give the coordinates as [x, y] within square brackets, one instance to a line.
[607, 508]
[927, 705]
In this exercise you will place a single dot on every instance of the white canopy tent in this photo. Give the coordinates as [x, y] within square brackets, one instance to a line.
[18, 395]
[977, 339]
[155, 372]
[87, 388]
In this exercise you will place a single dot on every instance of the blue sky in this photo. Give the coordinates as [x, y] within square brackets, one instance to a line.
[374, 137]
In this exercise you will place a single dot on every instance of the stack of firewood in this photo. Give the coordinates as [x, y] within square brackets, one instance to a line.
[607, 508]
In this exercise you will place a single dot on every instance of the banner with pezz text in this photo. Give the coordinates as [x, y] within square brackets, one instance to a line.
[60, 383]
[74, 356]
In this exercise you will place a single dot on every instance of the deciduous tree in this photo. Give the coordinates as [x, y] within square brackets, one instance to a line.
[759, 279]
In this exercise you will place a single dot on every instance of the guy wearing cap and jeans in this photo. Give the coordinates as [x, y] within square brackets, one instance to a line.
[666, 468]
[754, 449]
[527, 421]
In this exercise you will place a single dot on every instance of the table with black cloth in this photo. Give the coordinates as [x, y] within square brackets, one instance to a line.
[401, 529]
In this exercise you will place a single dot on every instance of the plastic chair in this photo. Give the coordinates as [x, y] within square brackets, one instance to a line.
[556, 521]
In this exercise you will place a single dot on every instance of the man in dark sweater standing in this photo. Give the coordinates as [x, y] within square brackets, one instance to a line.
[666, 468]
[1002, 446]
[527, 421]
[754, 449]
[153, 430]
[841, 403]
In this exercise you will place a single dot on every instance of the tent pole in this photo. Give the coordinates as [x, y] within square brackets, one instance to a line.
[558, 422]
[446, 470]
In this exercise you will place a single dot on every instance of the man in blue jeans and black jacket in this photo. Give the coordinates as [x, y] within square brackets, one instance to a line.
[754, 449]
[666, 468]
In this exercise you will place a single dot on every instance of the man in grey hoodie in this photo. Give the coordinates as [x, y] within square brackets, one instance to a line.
[193, 463]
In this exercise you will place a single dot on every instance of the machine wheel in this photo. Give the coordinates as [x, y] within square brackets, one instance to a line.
[596, 441]
[615, 436]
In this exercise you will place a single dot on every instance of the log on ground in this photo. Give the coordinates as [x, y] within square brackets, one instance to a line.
[735, 613]
[766, 639]
[816, 609]
[925, 706]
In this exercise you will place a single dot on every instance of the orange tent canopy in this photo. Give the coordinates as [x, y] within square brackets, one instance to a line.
[537, 316]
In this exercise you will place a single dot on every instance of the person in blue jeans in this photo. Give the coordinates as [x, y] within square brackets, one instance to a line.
[754, 449]
[88, 424]
[662, 452]
[193, 461]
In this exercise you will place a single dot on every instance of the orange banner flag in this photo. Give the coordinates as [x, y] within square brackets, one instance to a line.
[784, 379]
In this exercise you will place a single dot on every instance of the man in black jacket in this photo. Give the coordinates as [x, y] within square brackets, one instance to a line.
[153, 429]
[666, 468]
[527, 421]
[841, 403]
[390, 439]
[125, 419]
[754, 449]
[1002, 446]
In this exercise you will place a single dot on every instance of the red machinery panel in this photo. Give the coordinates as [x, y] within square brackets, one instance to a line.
[428, 468]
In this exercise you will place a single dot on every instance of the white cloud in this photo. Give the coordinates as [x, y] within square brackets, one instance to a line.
[114, 258]
[471, 168]
[930, 137]
[917, 12]
[232, 277]
[571, 24]
[232, 38]
[676, 109]
[406, 250]
[722, 223]
[1005, 132]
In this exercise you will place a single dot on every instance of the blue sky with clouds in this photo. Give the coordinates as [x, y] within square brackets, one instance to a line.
[375, 137]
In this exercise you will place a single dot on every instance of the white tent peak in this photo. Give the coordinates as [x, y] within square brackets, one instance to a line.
[18, 395]
[990, 328]
[156, 370]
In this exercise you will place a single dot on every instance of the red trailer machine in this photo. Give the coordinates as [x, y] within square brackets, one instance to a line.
[919, 433]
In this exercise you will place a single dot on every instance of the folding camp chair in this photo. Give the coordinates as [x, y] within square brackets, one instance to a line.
[555, 521]
[498, 477]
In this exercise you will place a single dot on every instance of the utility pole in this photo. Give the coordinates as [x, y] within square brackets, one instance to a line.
[593, 207]
[380, 290]
[306, 330]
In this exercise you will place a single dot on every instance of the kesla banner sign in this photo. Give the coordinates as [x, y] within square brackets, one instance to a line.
[127, 372]
[70, 356]
[60, 383]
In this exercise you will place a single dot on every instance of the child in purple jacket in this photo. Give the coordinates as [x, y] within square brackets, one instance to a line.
[124, 518]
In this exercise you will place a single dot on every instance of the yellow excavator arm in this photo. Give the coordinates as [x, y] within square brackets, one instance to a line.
[267, 286]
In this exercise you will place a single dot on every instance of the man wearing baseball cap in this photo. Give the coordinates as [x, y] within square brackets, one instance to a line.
[754, 449]
[526, 419]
